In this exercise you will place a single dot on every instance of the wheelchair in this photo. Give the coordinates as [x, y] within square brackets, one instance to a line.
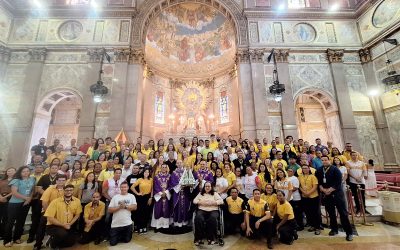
[220, 226]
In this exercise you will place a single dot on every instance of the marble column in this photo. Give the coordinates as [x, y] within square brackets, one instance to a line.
[259, 93]
[118, 109]
[87, 121]
[246, 98]
[4, 59]
[381, 125]
[289, 124]
[29, 92]
[134, 94]
[348, 124]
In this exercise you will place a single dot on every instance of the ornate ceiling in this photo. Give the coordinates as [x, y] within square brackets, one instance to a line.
[190, 40]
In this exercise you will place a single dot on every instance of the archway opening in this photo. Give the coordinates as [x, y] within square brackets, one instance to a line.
[317, 117]
[57, 117]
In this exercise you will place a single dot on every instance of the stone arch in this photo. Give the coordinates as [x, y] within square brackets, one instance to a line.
[151, 8]
[43, 111]
[331, 114]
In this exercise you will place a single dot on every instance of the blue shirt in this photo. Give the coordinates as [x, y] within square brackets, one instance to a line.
[317, 163]
[25, 187]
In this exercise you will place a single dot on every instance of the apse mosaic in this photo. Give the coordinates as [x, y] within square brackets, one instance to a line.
[190, 38]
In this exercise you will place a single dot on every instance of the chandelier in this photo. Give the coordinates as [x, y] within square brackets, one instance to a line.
[276, 89]
[98, 89]
[392, 80]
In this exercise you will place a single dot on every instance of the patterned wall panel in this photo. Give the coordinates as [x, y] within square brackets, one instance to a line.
[357, 87]
[393, 120]
[5, 24]
[70, 31]
[369, 139]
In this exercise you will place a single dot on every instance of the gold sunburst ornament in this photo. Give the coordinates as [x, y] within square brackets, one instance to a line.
[192, 96]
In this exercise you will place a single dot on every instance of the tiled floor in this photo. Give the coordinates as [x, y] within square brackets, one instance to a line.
[380, 236]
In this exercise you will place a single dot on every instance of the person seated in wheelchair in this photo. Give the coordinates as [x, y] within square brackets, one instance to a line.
[258, 218]
[206, 219]
[233, 215]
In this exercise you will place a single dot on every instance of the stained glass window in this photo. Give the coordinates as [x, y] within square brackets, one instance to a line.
[159, 108]
[223, 107]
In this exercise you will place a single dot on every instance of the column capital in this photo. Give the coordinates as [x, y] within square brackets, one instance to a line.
[95, 54]
[256, 55]
[136, 56]
[37, 54]
[281, 55]
[365, 55]
[4, 54]
[335, 55]
[243, 55]
[122, 54]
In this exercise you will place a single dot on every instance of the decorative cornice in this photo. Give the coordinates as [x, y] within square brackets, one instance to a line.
[281, 55]
[243, 56]
[365, 55]
[95, 54]
[256, 55]
[37, 54]
[136, 56]
[4, 54]
[122, 54]
[335, 55]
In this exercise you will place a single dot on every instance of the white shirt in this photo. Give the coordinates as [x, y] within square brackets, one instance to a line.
[233, 156]
[296, 184]
[122, 217]
[249, 185]
[221, 183]
[126, 172]
[357, 168]
[219, 154]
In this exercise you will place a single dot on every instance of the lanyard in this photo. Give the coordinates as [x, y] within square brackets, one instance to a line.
[325, 171]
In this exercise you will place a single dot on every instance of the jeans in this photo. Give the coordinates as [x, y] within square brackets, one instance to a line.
[265, 228]
[35, 217]
[120, 234]
[312, 210]
[17, 213]
[353, 188]
[3, 217]
[206, 223]
[60, 237]
[336, 200]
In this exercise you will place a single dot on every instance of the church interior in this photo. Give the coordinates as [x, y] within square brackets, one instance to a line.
[248, 70]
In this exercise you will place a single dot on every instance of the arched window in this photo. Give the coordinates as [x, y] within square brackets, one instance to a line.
[223, 107]
[159, 108]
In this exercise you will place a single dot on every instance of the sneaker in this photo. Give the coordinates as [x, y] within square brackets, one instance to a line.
[144, 230]
[333, 233]
[317, 232]
[141, 231]
[349, 237]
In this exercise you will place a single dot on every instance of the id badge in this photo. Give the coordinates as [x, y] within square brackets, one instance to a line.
[324, 180]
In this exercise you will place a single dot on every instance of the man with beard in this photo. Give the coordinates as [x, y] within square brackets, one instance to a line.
[94, 220]
[61, 214]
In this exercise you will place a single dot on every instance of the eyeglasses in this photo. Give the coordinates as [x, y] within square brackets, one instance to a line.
[68, 190]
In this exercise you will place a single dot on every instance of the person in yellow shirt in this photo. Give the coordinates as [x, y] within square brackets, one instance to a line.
[255, 159]
[310, 200]
[347, 153]
[262, 153]
[279, 158]
[234, 216]
[229, 176]
[143, 190]
[286, 224]
[107, 173]
[279, 144]
[258, 218]
[76, 180]
[270, 197]
[94, 220]
[58, 154]
[213, 142]
[61, 215]
[335, 153]
[263, 176]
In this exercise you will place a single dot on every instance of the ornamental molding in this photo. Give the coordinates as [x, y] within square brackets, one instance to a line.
[136, 56]
[335, 56]
[5, 54]
[281, 55]
[95, 55]
[365, 55]
[243, 56]
[37, 54]
[122, 54]
[256, 55]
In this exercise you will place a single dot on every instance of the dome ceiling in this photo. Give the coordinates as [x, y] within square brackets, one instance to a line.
[190, 40]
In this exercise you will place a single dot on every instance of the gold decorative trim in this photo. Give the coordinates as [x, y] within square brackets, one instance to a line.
[363, 113]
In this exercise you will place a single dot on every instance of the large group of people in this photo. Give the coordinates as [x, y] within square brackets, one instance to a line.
[107, 190]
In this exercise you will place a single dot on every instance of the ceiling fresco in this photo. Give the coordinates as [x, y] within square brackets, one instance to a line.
[191, 41]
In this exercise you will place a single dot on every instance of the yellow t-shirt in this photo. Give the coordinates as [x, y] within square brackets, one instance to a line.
[76, 183]
[257, 209]
[105, 175]
[94, 213]
[231, 177]
[62, 211]
[234, 206]
[342, 158]
[300, 171]
[285, 209]
[307, 182]
[52, 156]
[263, 182]
[271, 199]
[51, 193]
[276, 161]
[258, 162]
[214, 145]
[145, 185]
